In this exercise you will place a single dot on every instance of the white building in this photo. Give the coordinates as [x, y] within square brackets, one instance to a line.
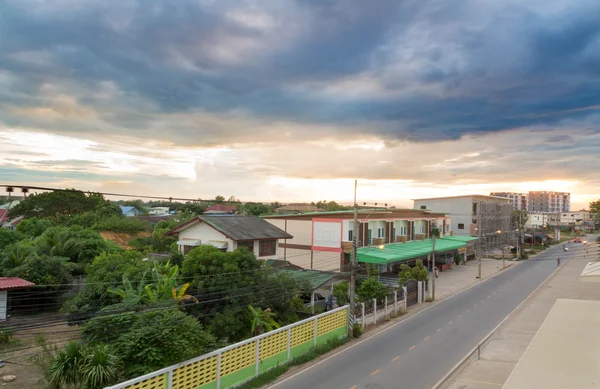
[520, 201]
[159, 211]
[229, 232]
[470, 212]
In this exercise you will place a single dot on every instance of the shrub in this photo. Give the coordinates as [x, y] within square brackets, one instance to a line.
[161, 338]
[35, 226]
[8, 237]
[6, 335]
[370, 289]
[357, 330]
[340, 292]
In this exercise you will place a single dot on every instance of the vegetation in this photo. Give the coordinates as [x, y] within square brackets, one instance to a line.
[371, 289]
[262, 321]
[418, 272]
[357, 330]
[340, 293]
[60, 204]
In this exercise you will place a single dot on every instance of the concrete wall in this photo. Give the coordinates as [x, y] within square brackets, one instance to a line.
[327, 234]
[459, 208]
[204, 232]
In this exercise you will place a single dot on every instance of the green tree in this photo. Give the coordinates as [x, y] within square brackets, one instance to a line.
[595, 210]
[76, 243]
[35, 226]
[340, 292]
[8, 237]
[107, 269]
[420, 272]
[15, 254]
[51, 276]
[262, 321]
[160, 338]
[219, 199]
[59, 203]
[370, 289]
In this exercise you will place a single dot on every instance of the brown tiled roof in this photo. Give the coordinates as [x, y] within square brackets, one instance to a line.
[298, 208]
[14, 283]
[237, 227]
[222, 208]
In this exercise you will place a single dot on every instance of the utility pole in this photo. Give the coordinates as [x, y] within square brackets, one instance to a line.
[354, 256]
[433, 268]
[479, 225]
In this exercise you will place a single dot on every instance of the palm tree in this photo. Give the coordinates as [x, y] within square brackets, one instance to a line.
[18, 252]
[262, 320]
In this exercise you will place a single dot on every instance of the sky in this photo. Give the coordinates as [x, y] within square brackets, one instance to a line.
[292, 101]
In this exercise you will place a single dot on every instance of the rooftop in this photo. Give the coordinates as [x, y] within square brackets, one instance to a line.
[397, 252]
[362, 213]
[314, 277]
[221, 208]
[479, 196]
[237, 227]
[14, 283]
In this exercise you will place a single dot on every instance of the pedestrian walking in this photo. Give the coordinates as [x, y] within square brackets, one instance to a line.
[558, 261]
[436, 272]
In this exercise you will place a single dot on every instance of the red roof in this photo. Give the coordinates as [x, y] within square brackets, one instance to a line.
[222, 208]
[3, 213]
[14, 283]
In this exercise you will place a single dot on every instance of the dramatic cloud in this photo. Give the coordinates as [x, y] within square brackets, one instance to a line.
[253, 93]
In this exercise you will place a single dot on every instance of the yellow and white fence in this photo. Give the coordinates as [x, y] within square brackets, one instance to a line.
[232, 365]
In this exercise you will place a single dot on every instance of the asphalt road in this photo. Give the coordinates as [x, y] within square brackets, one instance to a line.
[419, 351]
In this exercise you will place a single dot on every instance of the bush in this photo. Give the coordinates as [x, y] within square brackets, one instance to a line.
[8, 237]
[35, 226]
[340, 292]
[370, 289]
[6, 335]
[357, 330]
[161, 338]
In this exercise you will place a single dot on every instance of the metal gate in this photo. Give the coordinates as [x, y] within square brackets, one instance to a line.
[412, 296]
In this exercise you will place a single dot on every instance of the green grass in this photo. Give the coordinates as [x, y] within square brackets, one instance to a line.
[271, 375]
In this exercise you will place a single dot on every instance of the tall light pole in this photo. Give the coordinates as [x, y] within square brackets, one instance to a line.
[354, 256]
[479, 225]
[433, 265]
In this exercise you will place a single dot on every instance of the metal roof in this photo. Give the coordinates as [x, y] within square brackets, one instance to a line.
[237, 227]
[14, 283]
[314, 277]
[397, 252]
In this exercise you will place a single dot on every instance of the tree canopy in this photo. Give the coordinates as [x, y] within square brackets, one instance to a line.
[57, 204]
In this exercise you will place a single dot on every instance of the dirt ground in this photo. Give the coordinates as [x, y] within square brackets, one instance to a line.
[17, 356]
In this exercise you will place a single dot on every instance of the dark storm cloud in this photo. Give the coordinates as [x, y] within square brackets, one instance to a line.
[440, 69]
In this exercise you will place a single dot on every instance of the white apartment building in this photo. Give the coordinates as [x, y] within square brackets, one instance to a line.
[520, 201]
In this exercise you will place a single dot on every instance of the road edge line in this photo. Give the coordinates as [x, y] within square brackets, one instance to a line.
[455, 368]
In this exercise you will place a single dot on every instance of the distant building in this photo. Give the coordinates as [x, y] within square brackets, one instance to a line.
[520, 201]
[297, 208]
[220, 209]
[130, 211]
[159, 211]
[552, 202]
[473, 215]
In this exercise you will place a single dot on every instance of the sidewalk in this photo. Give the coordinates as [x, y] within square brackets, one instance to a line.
[501, 353]
[461, 277]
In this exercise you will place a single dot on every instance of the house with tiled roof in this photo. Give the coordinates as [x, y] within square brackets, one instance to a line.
[220, 209]
[229, 232]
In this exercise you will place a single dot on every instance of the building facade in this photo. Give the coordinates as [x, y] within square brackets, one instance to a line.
[551, 202]
[520, 201]
[323, 240]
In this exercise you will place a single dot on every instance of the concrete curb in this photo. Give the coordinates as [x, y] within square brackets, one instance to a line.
[460, 363]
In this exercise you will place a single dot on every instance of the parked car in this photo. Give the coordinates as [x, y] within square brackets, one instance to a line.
[306, 297]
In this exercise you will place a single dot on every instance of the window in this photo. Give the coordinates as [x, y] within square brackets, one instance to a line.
[394, 233]
[350, 235]
[422, 229]
[380, 232]
[461, 226]
[403, 231]
[423, 206]
[267, 247]
[447, 228]
[187, 249]
[248, 244]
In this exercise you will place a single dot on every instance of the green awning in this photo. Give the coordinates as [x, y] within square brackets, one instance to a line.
[314, 277]
[397, 252]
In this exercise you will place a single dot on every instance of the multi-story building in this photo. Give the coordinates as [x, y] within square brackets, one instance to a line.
[552, 202]
[486, 217]
[323, 240]
[520, 201]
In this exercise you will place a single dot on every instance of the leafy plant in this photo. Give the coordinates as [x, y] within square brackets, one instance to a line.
[261, 321]
[357, 330]
[100, 367]
[340, 292]
[6, 335]
[370, 289]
